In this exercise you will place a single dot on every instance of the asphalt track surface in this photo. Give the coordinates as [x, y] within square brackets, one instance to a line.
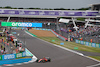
[59, 57]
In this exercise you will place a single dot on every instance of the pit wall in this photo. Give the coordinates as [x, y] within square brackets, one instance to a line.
[16, 58]
[12, 56]
[15, 61]
[58, 35]
[87, 43]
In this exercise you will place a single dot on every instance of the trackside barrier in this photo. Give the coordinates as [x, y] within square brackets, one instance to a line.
[87, 43]
[58, 35]
[15, 61]
[28, 53]
[15, 58]
[42, 29]
[12, 56]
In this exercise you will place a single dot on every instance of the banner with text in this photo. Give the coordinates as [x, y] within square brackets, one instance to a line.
[21, 24]
[8, 56]
[47, 12]
[87, 43]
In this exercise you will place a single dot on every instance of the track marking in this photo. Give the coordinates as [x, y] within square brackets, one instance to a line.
[34, 58]
[94, 65]
[92, 58]
[58, 46]
[70, 51]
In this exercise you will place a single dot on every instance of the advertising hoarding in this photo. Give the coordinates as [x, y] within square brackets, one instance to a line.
[21, 24]
[18, 55]
[0, 57]
[8, 56]
[47, 12]
[88, 43]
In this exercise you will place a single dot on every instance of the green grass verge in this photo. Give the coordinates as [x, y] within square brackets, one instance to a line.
[95, 57]
[71, 45]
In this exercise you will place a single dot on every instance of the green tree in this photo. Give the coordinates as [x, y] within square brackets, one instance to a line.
[8, 7]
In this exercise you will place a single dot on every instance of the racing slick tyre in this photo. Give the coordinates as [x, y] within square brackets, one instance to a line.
[49, 60]
[37, 60]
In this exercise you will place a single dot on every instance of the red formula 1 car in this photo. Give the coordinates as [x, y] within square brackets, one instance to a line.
[43, 60]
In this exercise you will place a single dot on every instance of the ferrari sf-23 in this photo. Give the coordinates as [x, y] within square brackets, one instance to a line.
[43, 60]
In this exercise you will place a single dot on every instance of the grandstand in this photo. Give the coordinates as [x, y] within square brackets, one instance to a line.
[95, 7]
[74, 28]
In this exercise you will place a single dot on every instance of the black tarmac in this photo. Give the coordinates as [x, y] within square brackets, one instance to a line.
[59, 57]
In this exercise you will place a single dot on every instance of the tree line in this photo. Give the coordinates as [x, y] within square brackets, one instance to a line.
[9, 7]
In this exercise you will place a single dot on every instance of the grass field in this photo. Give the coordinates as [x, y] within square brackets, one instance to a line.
[95, 57]
[70, 45]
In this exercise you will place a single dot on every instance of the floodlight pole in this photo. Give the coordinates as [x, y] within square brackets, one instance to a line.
[87, 22]
[58, 28]
[8, 18]
[74, 24]
[6, 24]
[57, 24]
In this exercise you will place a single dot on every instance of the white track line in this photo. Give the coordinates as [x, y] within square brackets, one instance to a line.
[58, 46]
[69, 50]
[94, 65]
[34, 58]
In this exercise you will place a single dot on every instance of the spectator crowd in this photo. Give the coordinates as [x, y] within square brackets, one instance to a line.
[91, 32]
[9, 44]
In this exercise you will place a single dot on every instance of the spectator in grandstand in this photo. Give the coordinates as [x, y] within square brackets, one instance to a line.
[91, 40]
[82, 32]
[2, 51]
[1, 46]
[20, 48]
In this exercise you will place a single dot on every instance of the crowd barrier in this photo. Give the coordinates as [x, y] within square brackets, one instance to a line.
[12, 56]
[42, 29]
[87, 43]
[16, 58]
[58, 35]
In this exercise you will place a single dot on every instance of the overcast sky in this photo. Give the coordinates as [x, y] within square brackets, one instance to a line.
[72, 4]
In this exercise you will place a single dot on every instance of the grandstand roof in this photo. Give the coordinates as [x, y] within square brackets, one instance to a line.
[95, 4]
